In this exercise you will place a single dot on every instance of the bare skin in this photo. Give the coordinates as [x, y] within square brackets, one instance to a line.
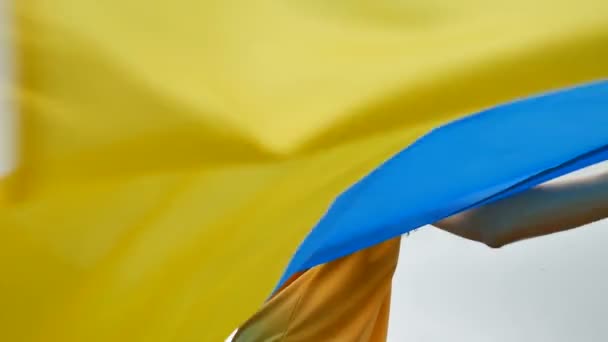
[549, 208]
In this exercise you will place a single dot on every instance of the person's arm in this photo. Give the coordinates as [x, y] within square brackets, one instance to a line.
[546, 209]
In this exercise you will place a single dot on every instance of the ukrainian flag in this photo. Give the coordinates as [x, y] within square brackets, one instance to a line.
[174, 154]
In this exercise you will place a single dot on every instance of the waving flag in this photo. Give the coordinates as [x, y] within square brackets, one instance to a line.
[174, 154]
[493, 154]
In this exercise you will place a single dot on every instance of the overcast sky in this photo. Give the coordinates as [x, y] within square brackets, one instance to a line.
[6, 115]
[550, 289]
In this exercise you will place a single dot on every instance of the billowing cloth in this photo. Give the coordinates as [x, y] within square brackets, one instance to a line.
[347, 299]
[174, 154]
[496, 153]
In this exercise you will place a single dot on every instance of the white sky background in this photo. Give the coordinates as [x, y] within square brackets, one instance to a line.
[7, 120]
[551, 289]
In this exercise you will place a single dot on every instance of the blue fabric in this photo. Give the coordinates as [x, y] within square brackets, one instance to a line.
[467, 163]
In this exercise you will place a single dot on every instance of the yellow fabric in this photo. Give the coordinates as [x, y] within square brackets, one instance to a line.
[174, 153]
[346, 300]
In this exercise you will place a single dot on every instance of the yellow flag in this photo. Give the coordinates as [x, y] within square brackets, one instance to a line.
[174, 153]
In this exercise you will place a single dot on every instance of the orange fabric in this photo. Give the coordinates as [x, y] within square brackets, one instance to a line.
[344, 300]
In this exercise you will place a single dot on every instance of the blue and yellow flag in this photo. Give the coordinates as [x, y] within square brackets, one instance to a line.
[174, 154]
